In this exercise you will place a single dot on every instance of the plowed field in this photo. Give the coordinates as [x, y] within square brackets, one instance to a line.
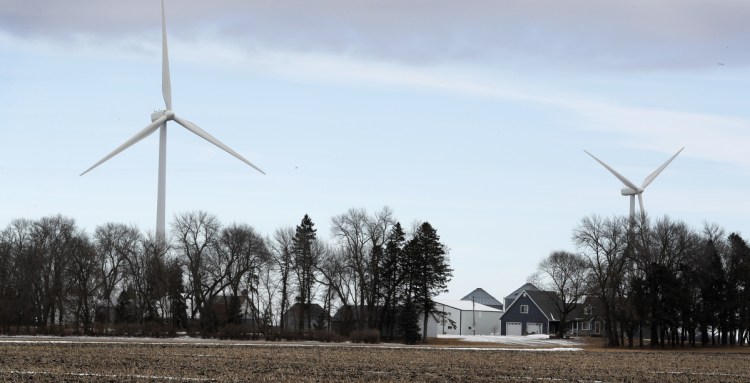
[113, 361]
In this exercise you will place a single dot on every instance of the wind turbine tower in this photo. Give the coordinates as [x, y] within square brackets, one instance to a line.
[630, 188]
[159, 121]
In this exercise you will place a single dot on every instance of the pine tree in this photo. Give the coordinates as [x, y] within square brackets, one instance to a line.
[392, 274]
[408, 321]
[124, 308]
[428, 269]
[305, 261]
[176, 293]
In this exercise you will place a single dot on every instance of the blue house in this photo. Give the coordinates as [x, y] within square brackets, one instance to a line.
[533, 311]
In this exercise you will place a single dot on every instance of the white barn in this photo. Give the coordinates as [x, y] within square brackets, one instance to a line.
[460, 317]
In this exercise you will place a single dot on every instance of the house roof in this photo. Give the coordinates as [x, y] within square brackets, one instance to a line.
[515, 294]
[581, 312]
[465, 305]
[298, 308]
[482, 297]
[545, 300]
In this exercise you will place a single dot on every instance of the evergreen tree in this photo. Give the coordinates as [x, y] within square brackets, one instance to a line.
[408, 321]
[176, 291]
[305, 259]
[392, 274]
[124, 309]
[428, 269]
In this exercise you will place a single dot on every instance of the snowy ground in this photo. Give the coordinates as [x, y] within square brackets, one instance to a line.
[518, 341]
[485, 343]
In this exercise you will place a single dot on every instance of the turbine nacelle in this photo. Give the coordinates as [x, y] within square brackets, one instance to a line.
[630, 191]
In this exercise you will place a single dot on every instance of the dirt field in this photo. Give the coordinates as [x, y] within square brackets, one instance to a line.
[175, 361]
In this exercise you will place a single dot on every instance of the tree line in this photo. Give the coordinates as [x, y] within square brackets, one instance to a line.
[207, 276]
[658, 277]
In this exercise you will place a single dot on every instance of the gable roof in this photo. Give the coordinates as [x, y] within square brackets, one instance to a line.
[465, 305]
[298, 309]
[482, 297]
[527, 287]
[545, 300]
[588, 309]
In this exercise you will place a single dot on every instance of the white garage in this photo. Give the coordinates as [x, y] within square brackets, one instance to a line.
[534, 328]
[465, 318]
[513, 328]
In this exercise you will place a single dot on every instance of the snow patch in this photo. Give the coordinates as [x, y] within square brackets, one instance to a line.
[535, 340]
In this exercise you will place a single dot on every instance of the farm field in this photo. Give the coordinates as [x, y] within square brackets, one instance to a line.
[86, 360]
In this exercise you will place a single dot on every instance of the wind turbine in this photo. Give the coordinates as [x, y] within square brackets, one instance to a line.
[159, 121]
[630, 189]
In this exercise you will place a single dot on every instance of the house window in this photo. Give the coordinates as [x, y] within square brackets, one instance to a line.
[597, 327]
[524, 309]
[586, 325]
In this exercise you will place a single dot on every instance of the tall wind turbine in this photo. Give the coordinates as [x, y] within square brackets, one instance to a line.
[159, 121]
[630, 189]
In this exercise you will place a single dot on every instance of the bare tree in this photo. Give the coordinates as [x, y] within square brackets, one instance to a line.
[85, 281]
[114, 242]
[350, 232]
[282, 251]
[339, 283]
[268, 282]
[196, 234]
[603, 243]
[22, 297]
[52, 239]
[361, 239]
[564, 275]
[242, 251]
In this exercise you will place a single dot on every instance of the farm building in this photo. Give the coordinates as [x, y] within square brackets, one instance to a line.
[532, 312]
[465, 318]
[482, 297]
[222, 307]
[297, 318]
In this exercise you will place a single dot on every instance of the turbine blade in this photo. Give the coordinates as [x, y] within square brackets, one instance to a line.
[202, 133]
[166, 84]
[658, 171]
[150, 128]
[613, 171]
[640, 201]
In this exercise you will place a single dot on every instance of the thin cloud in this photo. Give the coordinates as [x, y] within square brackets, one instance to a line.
[577, 34]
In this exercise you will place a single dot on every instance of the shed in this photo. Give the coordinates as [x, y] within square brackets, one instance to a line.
[460, 317]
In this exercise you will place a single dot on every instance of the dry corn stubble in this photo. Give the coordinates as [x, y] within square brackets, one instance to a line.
[94, 362]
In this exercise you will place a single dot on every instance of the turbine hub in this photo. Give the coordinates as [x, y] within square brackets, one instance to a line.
[629, 191]
[159, 113]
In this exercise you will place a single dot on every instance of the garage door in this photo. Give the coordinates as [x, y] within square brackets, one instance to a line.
[513, 328]
[533, 328]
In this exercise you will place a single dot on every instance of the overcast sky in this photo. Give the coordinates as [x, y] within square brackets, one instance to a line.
[472, 115]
